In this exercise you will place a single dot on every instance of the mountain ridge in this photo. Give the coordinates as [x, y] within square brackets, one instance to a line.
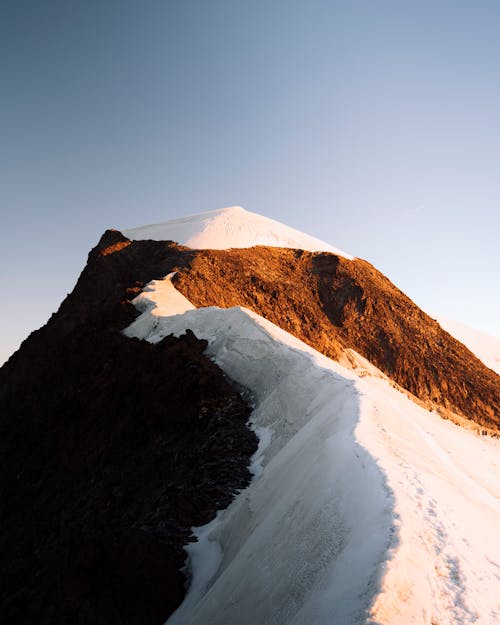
[415, 547]
[339, 306]
[333, 304]
[111, 450]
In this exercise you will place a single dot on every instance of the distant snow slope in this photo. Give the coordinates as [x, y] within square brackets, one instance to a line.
[484, 346]
[364, 507]
[230, 227]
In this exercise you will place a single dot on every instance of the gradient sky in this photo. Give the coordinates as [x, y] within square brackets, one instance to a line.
[373, 125]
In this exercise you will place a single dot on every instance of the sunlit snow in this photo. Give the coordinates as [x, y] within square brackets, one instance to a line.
[364, 507]
[161, 298]
[484, 346]
[225, 228]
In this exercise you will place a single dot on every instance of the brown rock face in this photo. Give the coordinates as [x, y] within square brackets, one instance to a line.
[112, 448]
[333, 303]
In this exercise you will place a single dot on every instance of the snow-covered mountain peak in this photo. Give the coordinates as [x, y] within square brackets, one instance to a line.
[230, 227]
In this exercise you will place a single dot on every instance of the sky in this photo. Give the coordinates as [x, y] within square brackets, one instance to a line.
[371, 125]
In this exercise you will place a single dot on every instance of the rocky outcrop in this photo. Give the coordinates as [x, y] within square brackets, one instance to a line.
[333, 303]
[112, 448]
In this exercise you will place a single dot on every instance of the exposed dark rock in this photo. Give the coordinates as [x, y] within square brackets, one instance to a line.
[112, 448]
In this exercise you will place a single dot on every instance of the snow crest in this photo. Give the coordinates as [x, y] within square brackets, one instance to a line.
[230, 227]
[289, 540]
[364, 508]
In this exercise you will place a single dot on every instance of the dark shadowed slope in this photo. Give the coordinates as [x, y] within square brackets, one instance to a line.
[111, 448]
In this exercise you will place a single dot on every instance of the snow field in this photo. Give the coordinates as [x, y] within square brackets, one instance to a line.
[364, 507]
[287, 542]
[445, 565]
[225, 228]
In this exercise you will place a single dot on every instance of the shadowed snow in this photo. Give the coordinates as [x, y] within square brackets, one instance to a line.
[289, 540]
[364, 507]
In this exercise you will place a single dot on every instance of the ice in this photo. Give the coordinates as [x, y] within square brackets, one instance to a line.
[364, 508]
[230, 227]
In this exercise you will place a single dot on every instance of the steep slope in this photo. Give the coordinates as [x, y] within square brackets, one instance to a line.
[111, 450]
[78, 393]
[332, 303]
[484, 346]
[366, 508]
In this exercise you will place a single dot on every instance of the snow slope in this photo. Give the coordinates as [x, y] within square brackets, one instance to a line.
[484, 346]
[364, 507]
[301, 502]
[225, 228]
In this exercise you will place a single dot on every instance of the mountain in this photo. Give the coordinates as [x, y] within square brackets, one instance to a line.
[339, 306]
[120, 429]
[231, 227]
[111, 450]
[365, 507]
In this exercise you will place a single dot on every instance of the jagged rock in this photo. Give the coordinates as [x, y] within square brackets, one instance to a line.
[112, 448]
[105, 461]
[332, 303]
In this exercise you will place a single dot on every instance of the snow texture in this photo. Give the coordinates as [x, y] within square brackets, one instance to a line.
[161, 298]
[364, 507]
[302, 502]
[484, 346]
[231, 227]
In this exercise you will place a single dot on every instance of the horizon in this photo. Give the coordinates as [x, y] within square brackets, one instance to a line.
[373, 128]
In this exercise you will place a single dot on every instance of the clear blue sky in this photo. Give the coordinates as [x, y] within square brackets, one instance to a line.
[374, 125]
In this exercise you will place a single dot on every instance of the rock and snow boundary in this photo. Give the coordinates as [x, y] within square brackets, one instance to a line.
[230, 227]
[292, 529]
[364, 507]
[485, 346]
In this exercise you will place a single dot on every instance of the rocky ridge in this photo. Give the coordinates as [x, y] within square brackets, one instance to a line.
[335, 304]
[112, 448]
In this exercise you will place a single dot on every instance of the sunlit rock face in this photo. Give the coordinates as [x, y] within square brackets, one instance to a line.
[334, 304]
[114, 447]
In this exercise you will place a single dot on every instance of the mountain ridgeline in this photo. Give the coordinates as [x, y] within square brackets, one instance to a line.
[333, 304]
[330, 302]
[113, 447]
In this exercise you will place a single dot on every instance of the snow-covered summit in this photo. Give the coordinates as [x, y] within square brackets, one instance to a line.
[230, 227]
